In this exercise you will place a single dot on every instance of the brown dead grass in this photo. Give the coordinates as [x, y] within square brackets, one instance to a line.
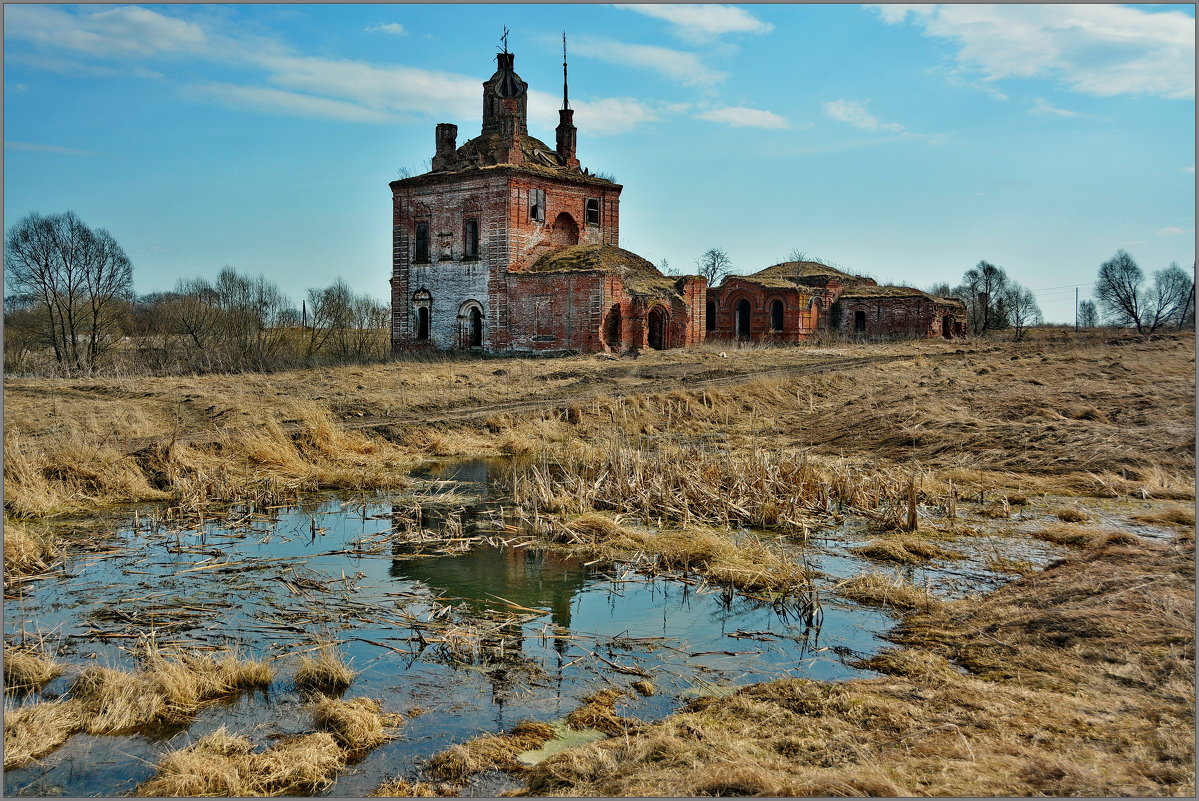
[325, 673]
[747, 562]
[1078, 681]
[598, 711]
[27, 669]
[1174, 516]
[1073, 534]
[402, 788]
[904, 550]
[31, 732]
[358, 724]
[221, 764]
[881, 589]
[490, 752]
[27, 548]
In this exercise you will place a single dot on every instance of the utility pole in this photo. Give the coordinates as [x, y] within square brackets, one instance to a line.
[1076, 310]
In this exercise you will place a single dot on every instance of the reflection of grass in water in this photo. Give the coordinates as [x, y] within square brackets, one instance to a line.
[565, 738]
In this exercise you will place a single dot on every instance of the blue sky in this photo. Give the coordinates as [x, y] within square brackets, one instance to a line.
[903, 142]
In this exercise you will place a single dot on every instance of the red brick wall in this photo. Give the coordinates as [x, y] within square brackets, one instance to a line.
[912, 316]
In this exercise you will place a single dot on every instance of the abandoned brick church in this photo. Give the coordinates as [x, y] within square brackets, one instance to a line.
[507, 244]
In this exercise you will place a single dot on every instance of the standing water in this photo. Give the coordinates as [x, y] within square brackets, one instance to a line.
[463, 632]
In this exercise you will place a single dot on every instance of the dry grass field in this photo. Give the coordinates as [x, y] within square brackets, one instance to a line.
[1073, 680]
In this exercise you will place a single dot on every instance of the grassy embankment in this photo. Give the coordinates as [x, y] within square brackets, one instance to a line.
[1108, 632]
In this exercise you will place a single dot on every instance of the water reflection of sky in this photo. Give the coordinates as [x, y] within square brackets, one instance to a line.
[270, 582]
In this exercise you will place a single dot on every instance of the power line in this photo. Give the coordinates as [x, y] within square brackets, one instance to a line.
[1067, 286]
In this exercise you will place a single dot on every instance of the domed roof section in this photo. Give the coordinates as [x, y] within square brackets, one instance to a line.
[507, 82]
[640, 276]
[480, 151]
[798, 270]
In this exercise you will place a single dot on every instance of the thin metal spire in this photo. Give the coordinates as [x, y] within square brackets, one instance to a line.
[565, 91]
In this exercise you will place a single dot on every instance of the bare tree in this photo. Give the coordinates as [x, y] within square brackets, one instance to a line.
[1088, 315]
[77, 280]
[798, 254]
[1118, 290]
[1020, 309]
[714, 265]
[1126, 300]
[982, 289]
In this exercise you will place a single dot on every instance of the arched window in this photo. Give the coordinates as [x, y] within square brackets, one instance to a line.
[421, 302]
[776, 316]
[710, 316]
[565, 231]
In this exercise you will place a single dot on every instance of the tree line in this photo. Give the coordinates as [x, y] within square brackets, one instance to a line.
[69, 302]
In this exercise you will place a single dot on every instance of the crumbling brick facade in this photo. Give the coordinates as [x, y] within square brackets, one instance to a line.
[467, 234]
[794, 301]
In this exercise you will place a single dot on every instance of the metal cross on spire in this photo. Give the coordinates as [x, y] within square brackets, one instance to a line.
[504, 38]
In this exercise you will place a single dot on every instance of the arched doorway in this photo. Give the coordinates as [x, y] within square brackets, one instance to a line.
[947, 327]
[565, 232]
[776, 316]
[474, 327]
[710, 316]
[422, 322]
[612, 325]
[814, 314]
[859, 322]
[741, 323]
[657, 328]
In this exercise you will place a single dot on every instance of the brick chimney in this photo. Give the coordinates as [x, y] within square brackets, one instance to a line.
[447, 143]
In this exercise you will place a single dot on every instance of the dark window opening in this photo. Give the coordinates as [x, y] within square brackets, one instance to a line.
[859, 322]
[476, 328]
[742, 321]
[776, 316]
[471, 236]
[947, 326]
[593, 211]
[421, 251]
[537, 205]
[422, 323]
[710, 316]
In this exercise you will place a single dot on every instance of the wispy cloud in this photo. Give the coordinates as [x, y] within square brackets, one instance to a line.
[1042, 108]
[855, 113]
[284, 81]
[1170, 230]
[293, 103]
[36, 148]
[393, 28]
[742, 117]
[703, 21]
[1094, 49]
[126, 31]
[1190, 169]
[677, 65]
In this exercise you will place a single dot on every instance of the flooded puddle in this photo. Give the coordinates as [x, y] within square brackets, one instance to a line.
[472, 627]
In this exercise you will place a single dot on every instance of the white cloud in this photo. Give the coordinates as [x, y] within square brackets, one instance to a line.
[390, 88]
[677, 65]
[394, 28]
[36, 148]
[703, 21]
[855, 114]
[125, 31]
[1094, 49]
[596, 116]
[287, 82]
[742, 117]
[1190, 169]
[1170, 231]
[1042, 108]
[292, 103]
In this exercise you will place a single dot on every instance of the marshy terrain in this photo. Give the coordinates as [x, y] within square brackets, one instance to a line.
[920, 568]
